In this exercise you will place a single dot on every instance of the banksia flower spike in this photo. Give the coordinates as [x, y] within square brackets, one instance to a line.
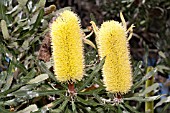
[67, 47]
[112, 43]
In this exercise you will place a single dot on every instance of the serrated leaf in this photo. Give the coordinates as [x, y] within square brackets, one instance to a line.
[38, 79]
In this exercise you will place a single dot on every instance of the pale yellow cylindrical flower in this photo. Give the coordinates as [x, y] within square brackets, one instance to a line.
[113, 44]
[67, 47]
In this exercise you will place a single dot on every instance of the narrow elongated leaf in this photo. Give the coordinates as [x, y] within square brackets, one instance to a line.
[20, 66]
[137, 68]
[164, 100]
[38, 79]
[92, 75]
[36, 93]
[3, 10]
[133, 110]
[45, 69]
[61, 108]
[54, 103]
[9, 78]
[91, 92]
[30, 108]
[147, 76]
[149, 89]
[143, 99]
[88, 102]
[87, 41]
[29, 76]
[73, 106]
[4, 30]
[2, 78]
[4, 94]
[22, 2]
[38, 20]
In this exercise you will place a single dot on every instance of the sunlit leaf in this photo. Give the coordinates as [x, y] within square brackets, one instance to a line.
[164, 100]
[30, 108]
[39, 78]
[4, 30]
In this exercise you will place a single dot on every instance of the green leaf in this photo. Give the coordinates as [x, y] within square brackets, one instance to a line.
[35, 25]
[22, 2]
[38, 79]
[38, 20]
[3, 76]
[119, 110]
[9, 78]
[162, 67]
[88, 102]
[4, 30]
[161, 54]
[35, 93]
[30, 108]
[143, 99]
[144, 78]
[45, 69]
[4, 94]
[61, 108]
[91, 92]
[73, 106]
[133, 110]
[54, 103]
[29, 76]
[164, 100]
[20, 66]
[92, 75]
[149, 89]
[3, 11]
[138, 68]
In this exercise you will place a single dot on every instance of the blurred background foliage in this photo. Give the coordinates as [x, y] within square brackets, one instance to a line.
[27, 82]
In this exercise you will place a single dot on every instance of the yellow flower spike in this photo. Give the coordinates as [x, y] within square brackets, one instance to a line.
[67, 47]
[113, 44]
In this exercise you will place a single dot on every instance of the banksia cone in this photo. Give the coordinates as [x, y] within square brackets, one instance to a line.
[67, 47]
[113, 44]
